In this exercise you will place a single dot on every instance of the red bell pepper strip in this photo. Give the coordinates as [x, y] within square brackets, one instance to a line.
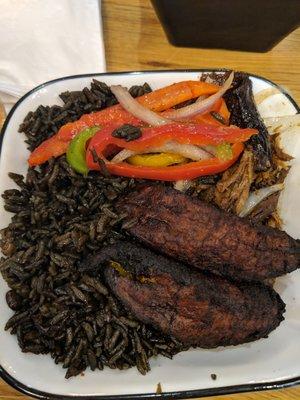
[103, 142]
[49, 148]
[58, 144]
[177, 172]
[158, 100]
[185, 133]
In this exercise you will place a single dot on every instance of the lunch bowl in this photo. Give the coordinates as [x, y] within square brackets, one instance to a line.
[269, 363]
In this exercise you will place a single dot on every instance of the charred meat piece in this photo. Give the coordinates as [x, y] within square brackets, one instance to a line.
[195, 308]
[240, 102]
[208, 238]
[264, 209]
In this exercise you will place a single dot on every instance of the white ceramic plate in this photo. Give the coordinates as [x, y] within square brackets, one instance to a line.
[264, 364]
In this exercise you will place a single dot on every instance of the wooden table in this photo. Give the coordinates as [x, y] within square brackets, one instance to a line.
[134, 40]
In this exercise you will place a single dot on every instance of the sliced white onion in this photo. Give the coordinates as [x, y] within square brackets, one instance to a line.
[202, 97]
[210, 149]
[256, 197]
[182, 185]
[135, 108]
[200, 107]
[190, 151]
[122, 155]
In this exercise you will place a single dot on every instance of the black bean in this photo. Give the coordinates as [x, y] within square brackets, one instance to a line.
[59, 317]
[65, 200]
[129, 322]
[54, 175]
[40, 250]
[116, 356]
[137, 342]
[40, 283]
[127, 132]
[13, 208]
[109, 213]
[69, 356]
[73, 371]
[79, 349]
[89, 331]
[15, 319]
[27, 254]
[95, 284]
[113, 340]
[101, 224]
[34, 348]
[79, 294]
[108, 333]
[92, 359]
[13, 300]
[136, 91]
[100, 365]
[69, 337]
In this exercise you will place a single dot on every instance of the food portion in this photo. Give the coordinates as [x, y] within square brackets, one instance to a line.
[243, 113]
[197, 309]
[101, 175]
[207, 238]
[118, 138]
[159, 100]
[179, 139]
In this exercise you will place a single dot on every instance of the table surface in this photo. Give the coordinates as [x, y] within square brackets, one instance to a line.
[134, 40]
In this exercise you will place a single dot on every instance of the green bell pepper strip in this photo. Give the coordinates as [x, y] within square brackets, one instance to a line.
[77, 149]
[224, 151]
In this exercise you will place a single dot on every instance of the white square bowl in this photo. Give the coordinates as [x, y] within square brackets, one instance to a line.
[264, 364]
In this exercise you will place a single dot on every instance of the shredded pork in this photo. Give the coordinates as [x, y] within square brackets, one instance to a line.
[233, 189]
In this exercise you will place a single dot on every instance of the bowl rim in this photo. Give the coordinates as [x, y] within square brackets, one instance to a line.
[183, 394]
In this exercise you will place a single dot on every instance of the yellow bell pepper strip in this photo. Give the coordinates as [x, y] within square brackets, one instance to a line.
[77, 150]
[156, 160]
[104, 145]
[158, 100]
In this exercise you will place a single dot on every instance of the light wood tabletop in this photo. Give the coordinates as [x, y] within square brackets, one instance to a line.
[134, 40]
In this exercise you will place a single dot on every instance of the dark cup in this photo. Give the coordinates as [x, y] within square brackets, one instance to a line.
[250, 25]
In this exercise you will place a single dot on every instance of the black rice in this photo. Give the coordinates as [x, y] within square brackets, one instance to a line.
[59, 218]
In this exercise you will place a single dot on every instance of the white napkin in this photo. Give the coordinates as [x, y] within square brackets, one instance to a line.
[42, 40]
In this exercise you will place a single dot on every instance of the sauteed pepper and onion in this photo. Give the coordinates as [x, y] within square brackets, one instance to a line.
[136, 141]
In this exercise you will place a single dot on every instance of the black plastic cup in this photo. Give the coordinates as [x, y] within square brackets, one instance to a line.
[249, 25]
